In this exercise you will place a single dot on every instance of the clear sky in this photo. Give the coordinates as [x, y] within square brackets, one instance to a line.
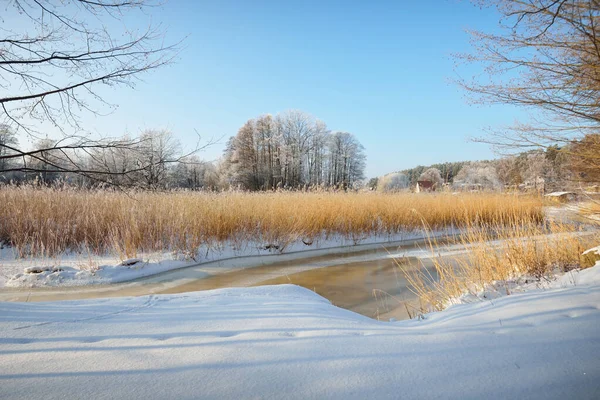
[381, 70]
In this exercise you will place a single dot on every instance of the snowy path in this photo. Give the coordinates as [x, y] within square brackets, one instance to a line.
[287, 342]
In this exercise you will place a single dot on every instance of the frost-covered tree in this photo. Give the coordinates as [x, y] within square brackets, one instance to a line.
[393, 182]
[347, 160]
[115, 164]
[58, 58]
[8, 141]
[146, 164]
[156, 151]
[483, 175]
[193, 173]
[46, 165]
[509, 171]
[373, 183]
[292, 149]
[432, 175]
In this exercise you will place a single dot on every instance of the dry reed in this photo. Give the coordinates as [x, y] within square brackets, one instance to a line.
[500, 255]
[49, 221]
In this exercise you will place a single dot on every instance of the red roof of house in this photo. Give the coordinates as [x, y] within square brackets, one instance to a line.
[425, 184]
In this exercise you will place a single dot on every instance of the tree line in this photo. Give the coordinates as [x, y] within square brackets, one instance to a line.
[550, 169]
[292, 150]
[153, 160]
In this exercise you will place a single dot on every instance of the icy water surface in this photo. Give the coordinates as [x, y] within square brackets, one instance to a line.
[367, 282]
[376, 289]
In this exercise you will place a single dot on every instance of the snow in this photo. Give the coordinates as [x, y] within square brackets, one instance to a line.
[595, 250]
[287, 342]
[62, 275]
[72, 270]
[558, 194]
[526, 283]
[81, 270]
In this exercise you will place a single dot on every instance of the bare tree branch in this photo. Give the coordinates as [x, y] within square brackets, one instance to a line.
[547, 60]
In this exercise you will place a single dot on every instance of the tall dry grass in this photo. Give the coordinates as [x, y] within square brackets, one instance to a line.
[591, 210]
[49, 221]
[500, 255]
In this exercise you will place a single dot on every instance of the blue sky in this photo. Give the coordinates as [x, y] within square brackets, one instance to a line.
[381, 70]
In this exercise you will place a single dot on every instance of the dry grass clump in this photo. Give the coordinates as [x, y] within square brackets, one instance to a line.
[502, 254]
[49, 221]
[591, 210]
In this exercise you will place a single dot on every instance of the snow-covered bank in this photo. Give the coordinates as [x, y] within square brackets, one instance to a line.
[73, 270]
[78, 270]
[288, 342]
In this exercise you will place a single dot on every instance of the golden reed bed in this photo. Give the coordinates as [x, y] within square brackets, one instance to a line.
[46, 222]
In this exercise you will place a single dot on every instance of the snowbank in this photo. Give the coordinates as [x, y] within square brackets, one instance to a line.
[62, 275]
[559, 194]
[78, 270]
[288, 342]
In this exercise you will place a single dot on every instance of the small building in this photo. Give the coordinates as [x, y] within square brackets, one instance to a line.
[425, 186]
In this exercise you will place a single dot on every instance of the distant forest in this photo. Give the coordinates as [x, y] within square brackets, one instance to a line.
[549, 169]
